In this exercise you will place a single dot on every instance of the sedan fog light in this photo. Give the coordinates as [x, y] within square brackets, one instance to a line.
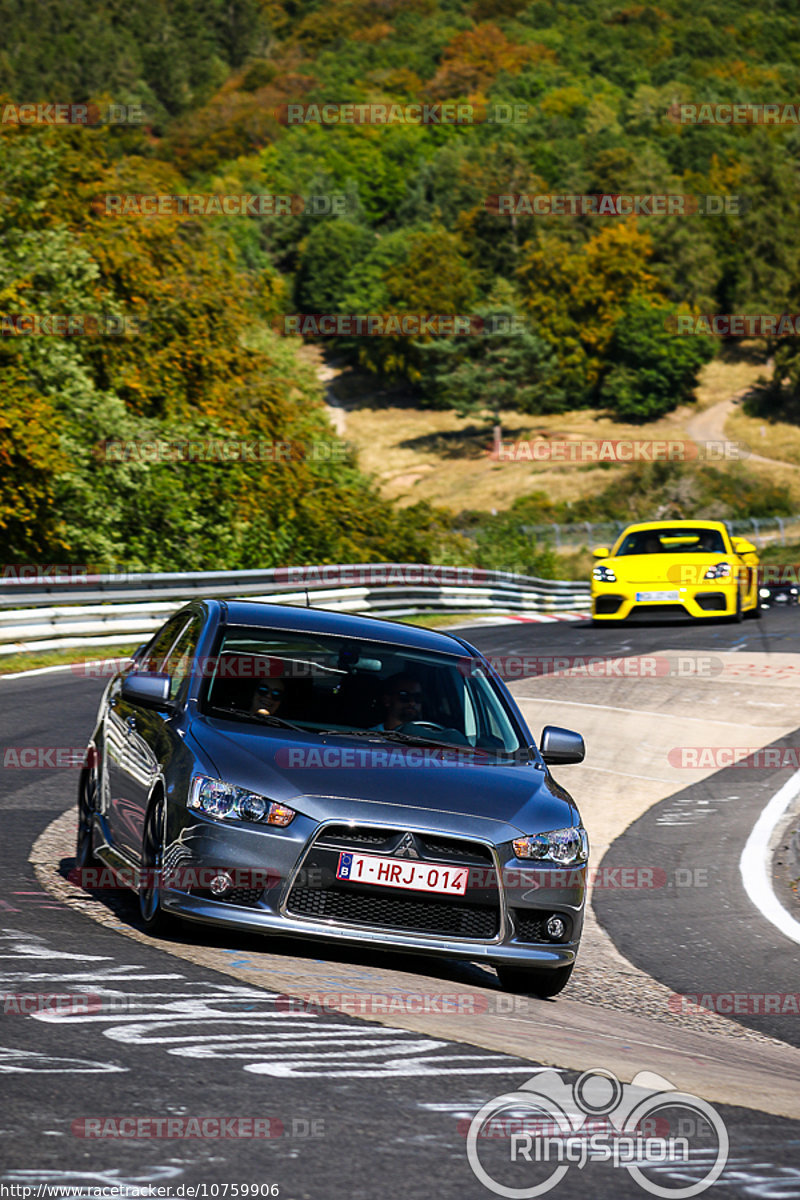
[556, 928]
[220, 884]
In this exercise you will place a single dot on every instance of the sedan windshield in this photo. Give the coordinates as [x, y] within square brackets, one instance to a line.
[673, 541]
[347, 686]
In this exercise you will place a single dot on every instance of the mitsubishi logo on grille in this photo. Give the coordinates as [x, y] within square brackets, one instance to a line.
[407, 848]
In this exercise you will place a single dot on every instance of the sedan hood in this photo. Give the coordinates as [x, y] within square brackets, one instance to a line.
[496, 802]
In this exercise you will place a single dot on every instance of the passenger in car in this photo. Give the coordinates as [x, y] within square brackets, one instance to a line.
[268, 696]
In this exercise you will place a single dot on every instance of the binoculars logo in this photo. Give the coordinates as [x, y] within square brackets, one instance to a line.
[523, 1143]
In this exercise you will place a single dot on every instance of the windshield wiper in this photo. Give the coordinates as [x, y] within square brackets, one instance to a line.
[418, 739]
[279, 722]
[412, 739]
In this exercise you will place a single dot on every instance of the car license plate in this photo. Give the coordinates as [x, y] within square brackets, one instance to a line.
[657, 597]
[388, 872]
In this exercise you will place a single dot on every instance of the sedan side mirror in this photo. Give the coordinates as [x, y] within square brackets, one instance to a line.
[742, 546]
[561, 745]
[601, 552]
[149, 691]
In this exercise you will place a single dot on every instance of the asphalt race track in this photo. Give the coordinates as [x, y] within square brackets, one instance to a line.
[330, 1104]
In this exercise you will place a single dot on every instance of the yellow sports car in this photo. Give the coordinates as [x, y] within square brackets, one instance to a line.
[675, 568]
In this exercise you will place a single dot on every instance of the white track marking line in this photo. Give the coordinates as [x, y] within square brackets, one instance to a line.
[641, 712]
[756, 861]
[43, 670]
[626, 775]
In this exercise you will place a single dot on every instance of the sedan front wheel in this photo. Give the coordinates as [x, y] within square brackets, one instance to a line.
[87, 804]
[154, 919]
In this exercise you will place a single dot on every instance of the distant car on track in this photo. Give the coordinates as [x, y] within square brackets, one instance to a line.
[675, 568]
[249, 769]
[778, 595]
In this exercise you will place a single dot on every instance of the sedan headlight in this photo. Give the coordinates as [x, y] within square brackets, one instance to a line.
[564, 846]
[720, 571]
[226, 802]
[604, 575]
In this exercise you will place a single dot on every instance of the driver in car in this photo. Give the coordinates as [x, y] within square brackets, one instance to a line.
[402, 699]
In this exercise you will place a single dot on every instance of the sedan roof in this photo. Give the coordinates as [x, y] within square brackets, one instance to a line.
[320, 620]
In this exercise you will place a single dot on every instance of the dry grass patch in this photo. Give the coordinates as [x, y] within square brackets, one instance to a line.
[771, 439]
[425, 454]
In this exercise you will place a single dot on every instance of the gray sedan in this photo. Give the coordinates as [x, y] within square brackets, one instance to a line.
[294, 771]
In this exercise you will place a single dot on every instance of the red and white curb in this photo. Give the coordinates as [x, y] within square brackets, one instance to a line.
[531, 619]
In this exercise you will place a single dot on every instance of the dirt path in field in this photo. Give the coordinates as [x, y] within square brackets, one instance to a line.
[709, 426]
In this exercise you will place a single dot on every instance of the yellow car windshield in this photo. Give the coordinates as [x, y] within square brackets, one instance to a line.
[673, 541]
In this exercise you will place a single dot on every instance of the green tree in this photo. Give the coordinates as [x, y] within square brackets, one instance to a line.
[504, 366]
[651, 369]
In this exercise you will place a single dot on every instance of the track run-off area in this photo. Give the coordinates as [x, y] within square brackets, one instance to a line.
[365, 1069]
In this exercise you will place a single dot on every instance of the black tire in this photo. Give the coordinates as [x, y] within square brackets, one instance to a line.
[154, 919]
[534, 981]
[737, 616]
[755, 613]
[88, 788]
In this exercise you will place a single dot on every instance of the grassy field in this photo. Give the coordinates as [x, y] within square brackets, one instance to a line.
[772, 439]
[10, 663]
[418, 454]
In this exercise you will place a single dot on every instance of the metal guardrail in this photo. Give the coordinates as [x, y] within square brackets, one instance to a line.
[595, 533]
[49, 612]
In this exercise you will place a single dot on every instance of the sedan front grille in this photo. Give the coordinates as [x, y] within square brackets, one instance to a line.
[386, 841]
[346, 837]
[429, 915]
[319, 894]
[456, 852]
